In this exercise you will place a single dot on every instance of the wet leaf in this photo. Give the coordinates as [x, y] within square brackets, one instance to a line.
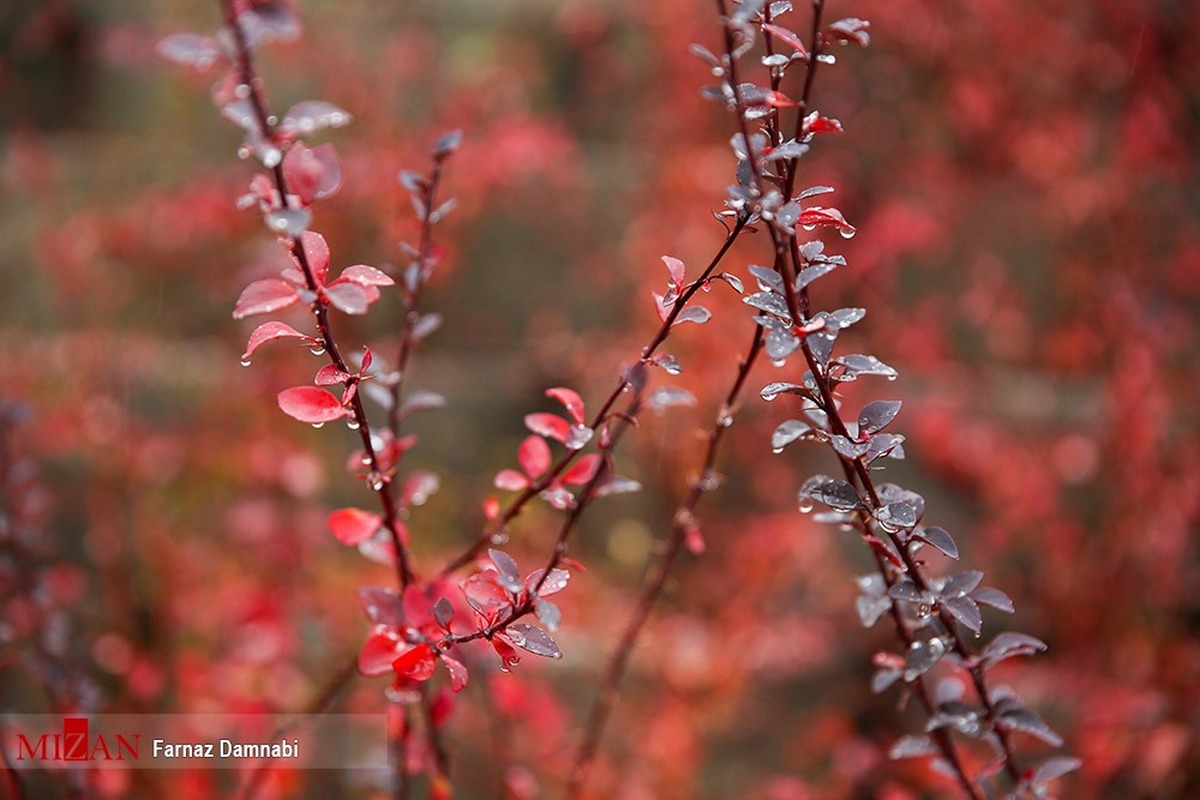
[458, 672]
[836, 494]
[381, 605]
[788, 432]
[265, 296]
[417, 663]
[940, 539]
[533, 639]
[876, 415]
[311, 404]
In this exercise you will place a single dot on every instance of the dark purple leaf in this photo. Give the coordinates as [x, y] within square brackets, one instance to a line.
[533, 639]
[443, 612]
[1029, 722]
[965, 611]
[921, 656]
[876, 415]
[994, 598]
[836, 494]
[940, 539]
[1010, 644]
[788, 432]
[381, 605]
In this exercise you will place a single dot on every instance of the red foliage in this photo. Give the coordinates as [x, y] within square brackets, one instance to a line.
[1016, 173]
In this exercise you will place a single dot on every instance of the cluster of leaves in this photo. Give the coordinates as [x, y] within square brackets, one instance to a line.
[1025, 256]
[930, 613]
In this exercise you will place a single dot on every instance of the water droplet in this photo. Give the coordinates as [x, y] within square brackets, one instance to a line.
[806, 505]
[725, 421]
[892, 376]
[317, 350]
[845, 527]
[847, 233]
[365, 460]
[244, 152]
[769, 396]
[241, 91]
[809, 227]
[271, 156]
[376, 482]
[245, 361]
[827, 58]
[710, 482]
[272, 120]
[778, 362]
[776, 450]
[318, 424]
[352, 423]
[500, 537]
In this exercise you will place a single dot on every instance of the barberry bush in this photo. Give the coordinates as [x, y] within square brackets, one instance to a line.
[649, 465]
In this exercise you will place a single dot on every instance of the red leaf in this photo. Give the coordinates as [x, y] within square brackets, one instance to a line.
[364, 275]
[418, 663]
[676, 270]
[316, 253]
[378, 652]
[312, 173]
[583, 470]
[329, 375]
[815, 125]
[265, 296]
[788, 37]
[458, 673]
[548, 425]
[778, 100]
[508, 655]
[349, 298]
[509, 480]
[829, 217]
[570, 399]
[534, 456]
[310, 404]
[352, 526]
[267, 332]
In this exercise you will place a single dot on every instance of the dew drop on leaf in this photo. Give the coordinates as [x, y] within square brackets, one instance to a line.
[245, 361]
[352, 423]
[318, 424]
[365, 460]
[806, 505]
[317, 350]
[499, 537]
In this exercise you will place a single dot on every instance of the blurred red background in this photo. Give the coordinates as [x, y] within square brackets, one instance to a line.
[1023, 178]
